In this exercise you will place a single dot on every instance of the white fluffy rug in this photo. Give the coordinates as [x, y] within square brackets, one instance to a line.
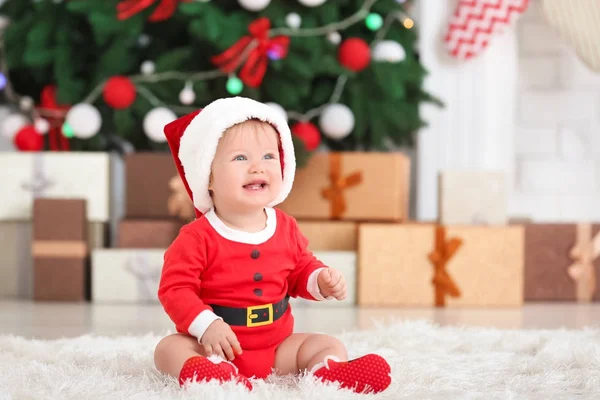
[428, 362]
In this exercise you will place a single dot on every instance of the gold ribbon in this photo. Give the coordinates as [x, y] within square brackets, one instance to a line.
[439, 257]
[335, 192]
[179, 203]
[59, 248]
[582, 271]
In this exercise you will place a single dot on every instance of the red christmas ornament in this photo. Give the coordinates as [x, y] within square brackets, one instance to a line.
[308, 133]
[354, 54]
[28, 139]
[119, 92]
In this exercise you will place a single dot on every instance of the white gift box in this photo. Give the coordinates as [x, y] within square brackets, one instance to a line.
[473, 198]
[25, 176]
[345, 262]
[126, 275]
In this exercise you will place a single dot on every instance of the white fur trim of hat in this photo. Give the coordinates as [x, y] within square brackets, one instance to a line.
[199, 142]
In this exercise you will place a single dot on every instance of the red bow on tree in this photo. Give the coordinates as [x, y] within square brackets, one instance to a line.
[264, 48]
[57, 140]
[128, 8]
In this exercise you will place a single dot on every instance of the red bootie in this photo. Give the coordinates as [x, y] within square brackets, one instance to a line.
[367, 374]
[204, 369]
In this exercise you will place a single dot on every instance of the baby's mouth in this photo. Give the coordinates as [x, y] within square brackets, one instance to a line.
[255, 185]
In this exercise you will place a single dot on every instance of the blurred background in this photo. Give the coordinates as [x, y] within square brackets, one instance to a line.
[447, 152]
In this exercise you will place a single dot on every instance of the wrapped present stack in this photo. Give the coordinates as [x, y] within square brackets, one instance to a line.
[31, 176]
[337, 192]
[469, 257]
[156, 207]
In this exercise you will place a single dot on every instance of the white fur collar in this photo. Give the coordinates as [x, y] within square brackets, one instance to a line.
[241, 236]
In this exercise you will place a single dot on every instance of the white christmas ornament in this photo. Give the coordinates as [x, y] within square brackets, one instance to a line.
[334, 37]
[311, 3]
[84, 119]
[155, 121]
[187, 95]
[336, 121]
[41, 125]
[293, 20]
[389, 50]
[148, 67]
[26, 103]
[13, 124]
[254, 5]
[279, 109]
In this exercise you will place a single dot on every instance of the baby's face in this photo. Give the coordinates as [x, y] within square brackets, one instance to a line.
[246, 171]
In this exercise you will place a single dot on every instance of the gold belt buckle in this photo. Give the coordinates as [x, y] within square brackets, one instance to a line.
[252, 315]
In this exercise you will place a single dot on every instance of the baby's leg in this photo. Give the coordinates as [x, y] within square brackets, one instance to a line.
[173, 351]
[301, 351]
[326, 358]
[182, 357]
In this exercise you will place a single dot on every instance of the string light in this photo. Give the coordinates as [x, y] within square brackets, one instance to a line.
[234, 85]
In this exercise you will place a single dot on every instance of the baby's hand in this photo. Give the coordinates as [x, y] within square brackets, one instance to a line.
[219, 339]
[332, 283]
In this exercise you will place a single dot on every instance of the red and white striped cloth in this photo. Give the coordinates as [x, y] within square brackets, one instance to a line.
[474, 22]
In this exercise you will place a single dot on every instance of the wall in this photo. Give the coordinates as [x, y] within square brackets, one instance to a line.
[475, 129]
[558, 121]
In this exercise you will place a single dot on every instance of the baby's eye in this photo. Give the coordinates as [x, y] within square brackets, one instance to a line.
[269, 156]
[240, 158]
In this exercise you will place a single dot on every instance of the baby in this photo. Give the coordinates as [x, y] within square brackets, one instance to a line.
[228, 276]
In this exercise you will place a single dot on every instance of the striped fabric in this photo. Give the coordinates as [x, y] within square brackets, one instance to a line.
[579, 23]
[475, 21]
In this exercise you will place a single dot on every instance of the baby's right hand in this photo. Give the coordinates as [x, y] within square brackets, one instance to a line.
[219, 339]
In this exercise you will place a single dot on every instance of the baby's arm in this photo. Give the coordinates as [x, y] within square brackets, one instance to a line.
[303, 280]
[179, 287]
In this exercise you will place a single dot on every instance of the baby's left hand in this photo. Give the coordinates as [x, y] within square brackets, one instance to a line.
[332, 283]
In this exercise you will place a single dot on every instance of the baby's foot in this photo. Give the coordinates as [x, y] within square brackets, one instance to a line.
[206, 369]
[370, 373]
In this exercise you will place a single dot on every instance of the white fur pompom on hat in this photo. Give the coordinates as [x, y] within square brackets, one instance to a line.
[193, 140]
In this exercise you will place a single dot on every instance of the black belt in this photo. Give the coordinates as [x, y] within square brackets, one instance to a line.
[264, 314]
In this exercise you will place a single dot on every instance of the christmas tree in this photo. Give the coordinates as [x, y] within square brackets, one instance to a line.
[92, 73]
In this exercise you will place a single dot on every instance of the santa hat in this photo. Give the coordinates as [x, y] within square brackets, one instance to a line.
[193, 141]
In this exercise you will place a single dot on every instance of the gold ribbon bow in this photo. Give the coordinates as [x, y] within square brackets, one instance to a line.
[335, 192]
[439, 257]
[179, 203]
[582, 271]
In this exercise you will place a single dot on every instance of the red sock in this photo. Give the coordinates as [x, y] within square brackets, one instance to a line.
[202, 369]
[367, 374]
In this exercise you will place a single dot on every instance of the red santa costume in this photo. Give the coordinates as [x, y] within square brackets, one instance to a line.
[212, 271]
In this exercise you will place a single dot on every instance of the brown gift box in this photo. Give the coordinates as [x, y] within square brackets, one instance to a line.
[357, 186]
[428, 264]
[154, 188]
[561, 262]
[60, 250]
[148, 233]
[330, 235]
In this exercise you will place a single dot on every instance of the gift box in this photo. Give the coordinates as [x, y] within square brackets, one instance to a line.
[126, 275]
[154, 189]
[355, 186]
[16, 262]
[330, 235]
[473, 198]
[345, 262]
[60, 250]
[148, 233]
[436, 265]
[66, 175]
[561, 262]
